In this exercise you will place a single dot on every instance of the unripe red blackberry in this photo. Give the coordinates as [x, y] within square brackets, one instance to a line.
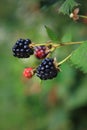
[28, 72]
[47, 69]
[40, 52]
[21, 48]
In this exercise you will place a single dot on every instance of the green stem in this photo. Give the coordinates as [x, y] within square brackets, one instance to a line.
[56, 45]
[67, 43]
[61, 62]
[53, 46]
[82, 16]
[39, 44]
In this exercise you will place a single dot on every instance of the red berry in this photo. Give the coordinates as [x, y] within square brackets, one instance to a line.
[40, 52]
[28, 72]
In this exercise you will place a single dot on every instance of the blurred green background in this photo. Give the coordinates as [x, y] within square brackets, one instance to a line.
[58, 104]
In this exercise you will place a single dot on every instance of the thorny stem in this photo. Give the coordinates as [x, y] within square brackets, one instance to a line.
[65, 44]
[55, 45]
[34, 44]
[64, 60]
[82, 16]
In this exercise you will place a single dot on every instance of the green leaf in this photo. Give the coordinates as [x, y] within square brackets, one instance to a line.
[67, 37]
[51, 34]
[68, 6]
[79, 57]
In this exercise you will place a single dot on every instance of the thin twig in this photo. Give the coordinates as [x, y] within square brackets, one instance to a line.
[61, 62]
[82, 16]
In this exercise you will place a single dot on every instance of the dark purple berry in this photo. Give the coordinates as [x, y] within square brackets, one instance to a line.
[21, 48]
[47, 69]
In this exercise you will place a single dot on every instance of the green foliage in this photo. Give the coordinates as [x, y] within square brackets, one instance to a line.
[67, 36]
[51, 34]
[67, 6]
[79, 58]
[25, 104]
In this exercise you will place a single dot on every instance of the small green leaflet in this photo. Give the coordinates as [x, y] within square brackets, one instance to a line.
[68, 6]
[79, 57]
[51, 34]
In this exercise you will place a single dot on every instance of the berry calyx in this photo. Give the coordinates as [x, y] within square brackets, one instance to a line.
[28, 73]
[21, 48]
[47, 69]
[74, 15]
[41, 52]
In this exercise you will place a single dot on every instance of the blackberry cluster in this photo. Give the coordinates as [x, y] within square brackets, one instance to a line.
[40, 52]
[21, 48]
[47, 70]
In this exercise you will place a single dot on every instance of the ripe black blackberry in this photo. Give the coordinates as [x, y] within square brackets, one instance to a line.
[47, 69]
[21, 48]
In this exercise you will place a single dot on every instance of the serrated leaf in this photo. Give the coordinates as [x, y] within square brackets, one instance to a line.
[68, 6]
[79, 57]
[51, 34]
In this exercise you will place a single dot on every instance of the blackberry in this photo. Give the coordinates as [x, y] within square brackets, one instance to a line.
[41, 52]
[21, 48]
[47, 69]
